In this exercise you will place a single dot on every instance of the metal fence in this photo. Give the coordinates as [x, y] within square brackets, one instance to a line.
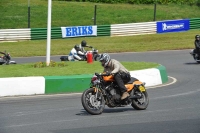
[41, 33]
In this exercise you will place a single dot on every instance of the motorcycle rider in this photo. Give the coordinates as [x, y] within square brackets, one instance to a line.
[75, 54]
[82, 45]
[121, 74]
[197, 45]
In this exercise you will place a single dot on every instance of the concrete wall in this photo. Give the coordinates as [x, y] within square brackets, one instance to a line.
[70, 84]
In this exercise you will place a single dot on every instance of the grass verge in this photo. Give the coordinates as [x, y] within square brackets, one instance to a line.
[139, 43]
[70, 68]
[14, 13]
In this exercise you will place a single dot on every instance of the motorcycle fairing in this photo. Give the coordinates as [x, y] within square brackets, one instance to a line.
[109, 78]
[130, 86]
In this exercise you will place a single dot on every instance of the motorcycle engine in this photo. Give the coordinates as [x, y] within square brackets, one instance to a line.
[115, 94]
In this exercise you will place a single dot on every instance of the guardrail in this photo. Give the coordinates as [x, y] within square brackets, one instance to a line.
[56, 33]
[102, 30]
[133, 29]
[195, 23]
[14, 34]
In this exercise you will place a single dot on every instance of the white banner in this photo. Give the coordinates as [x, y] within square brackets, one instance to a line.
[77, 31]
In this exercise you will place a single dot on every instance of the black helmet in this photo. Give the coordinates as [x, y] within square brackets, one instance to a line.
[83, 43]
[104, 59]
[77, 47]
[197, 36]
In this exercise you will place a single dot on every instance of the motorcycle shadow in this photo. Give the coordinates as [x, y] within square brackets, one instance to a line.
[192, 63]
[110, 110]
[118, 109]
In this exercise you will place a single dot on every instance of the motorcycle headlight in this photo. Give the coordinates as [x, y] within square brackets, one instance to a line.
[93, 79]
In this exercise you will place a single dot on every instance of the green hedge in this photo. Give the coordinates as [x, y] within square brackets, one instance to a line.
[180, 2]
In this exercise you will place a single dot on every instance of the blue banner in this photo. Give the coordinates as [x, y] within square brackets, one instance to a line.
[173, 26]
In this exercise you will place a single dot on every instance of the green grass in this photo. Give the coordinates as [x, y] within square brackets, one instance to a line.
[14, 13]
[71, 68]
[180, 40]
[139, 43]
[80, 13]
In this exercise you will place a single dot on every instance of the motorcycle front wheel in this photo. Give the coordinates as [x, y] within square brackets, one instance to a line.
[93, 102]
[196, 58]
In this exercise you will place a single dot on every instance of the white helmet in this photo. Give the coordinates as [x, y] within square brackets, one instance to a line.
[104, 59]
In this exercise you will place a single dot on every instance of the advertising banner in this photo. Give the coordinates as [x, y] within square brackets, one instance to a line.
[77, 31]
[173, 26]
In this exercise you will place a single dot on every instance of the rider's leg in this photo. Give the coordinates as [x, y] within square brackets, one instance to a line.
[121, 85]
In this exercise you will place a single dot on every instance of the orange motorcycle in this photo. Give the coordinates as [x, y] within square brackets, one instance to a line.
[104, 91]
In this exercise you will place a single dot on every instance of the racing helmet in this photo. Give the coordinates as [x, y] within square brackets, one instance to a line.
[83, 43]
[197, 36]
[77, 47]
[104, 59]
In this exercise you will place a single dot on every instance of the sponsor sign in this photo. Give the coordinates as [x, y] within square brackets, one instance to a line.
[173, 26]
[77, 31]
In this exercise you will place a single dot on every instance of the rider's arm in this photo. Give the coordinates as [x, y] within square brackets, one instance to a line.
[116, 68]
[77, 57]
[89, 46]
[73, 53]
[197, 44]
[83, 50]
[80, 53]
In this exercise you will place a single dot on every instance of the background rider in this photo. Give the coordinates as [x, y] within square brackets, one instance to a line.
[82, 45]
[197, 44]
[76, 54]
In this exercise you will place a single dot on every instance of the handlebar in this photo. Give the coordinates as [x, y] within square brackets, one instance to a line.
[103, 74]
[93, 49]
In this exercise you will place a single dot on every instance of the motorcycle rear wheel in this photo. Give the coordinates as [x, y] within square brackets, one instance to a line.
[92, 103]
[196, 59]
[141, 103]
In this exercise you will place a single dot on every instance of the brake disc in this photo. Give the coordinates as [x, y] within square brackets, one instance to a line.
[94, 102]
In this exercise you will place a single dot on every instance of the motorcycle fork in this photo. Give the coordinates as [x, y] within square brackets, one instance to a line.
[97, 91]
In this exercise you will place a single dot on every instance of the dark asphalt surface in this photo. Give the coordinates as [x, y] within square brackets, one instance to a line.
[173, 108]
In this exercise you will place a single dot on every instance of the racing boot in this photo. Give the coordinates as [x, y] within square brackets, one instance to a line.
[125, 95]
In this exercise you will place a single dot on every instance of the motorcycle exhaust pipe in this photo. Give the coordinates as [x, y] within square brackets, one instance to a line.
[135, 97]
